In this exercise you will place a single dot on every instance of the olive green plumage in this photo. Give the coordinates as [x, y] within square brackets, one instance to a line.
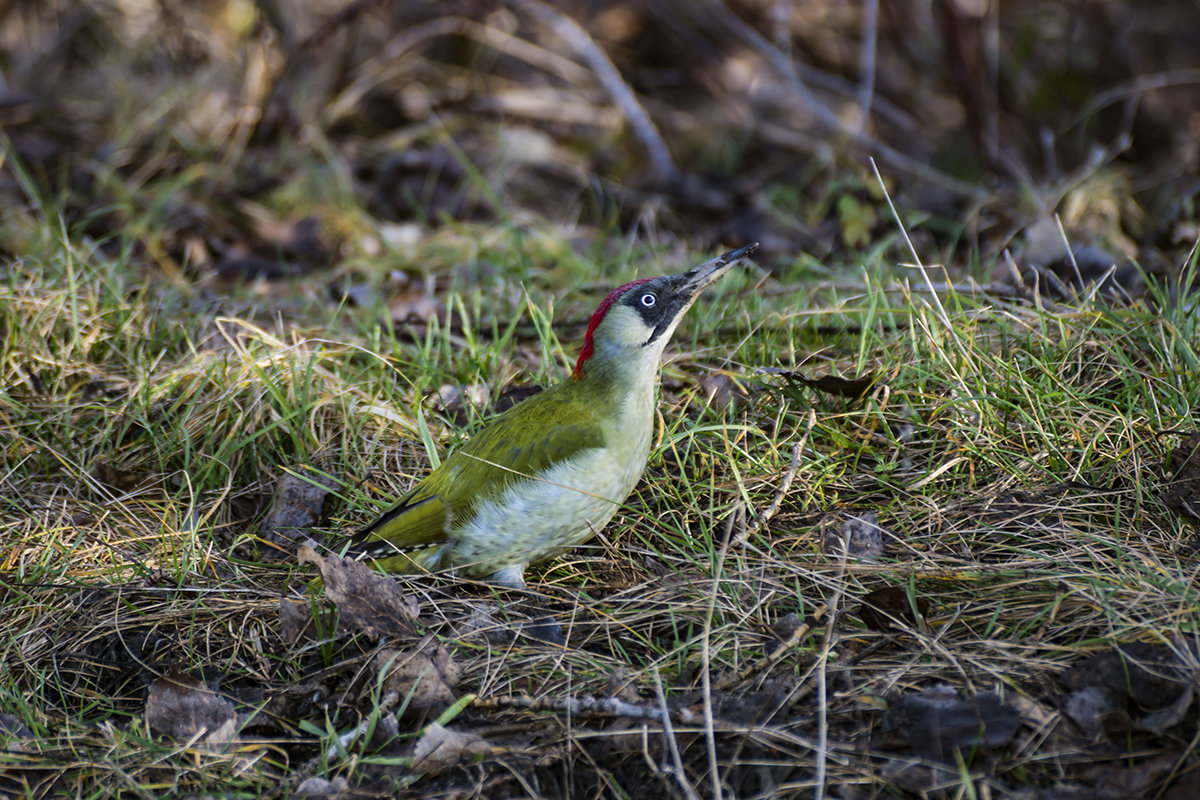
[551, 471]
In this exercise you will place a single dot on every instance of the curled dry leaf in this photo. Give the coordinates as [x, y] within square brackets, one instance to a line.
[1136, 686]
[299, 498]
[441, 748]
[835, 385]
[882, 607]
[859, 539]
[13, 734]
[721, 389]
[938, 721]
[365, 600]
[425, 676]
[1114, 781]
[321, 789]
[481, 626]
[622, 684]
[122, 480]
[411, 300]
[544, 629]
[923, 780]
[1048, 267]
[184, 709]
[1088, 708]
[295, 622]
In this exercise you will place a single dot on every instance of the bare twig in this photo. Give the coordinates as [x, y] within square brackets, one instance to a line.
[669, 735]
[782, 64]
[710, 737]
[575, 706]
[775, 656]
[610, 78]
[866, 89]
[821, 755]
[784, 486]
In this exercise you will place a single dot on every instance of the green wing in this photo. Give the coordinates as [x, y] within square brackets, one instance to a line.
[551, 427]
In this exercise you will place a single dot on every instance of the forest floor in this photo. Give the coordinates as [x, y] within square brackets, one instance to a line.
[921, 515]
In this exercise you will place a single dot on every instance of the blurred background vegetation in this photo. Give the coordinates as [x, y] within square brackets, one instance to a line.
[225, 140]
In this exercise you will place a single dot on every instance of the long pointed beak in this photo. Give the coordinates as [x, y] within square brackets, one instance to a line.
[697, 279]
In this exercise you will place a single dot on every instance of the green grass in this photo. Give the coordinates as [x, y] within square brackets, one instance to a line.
[1013, 452]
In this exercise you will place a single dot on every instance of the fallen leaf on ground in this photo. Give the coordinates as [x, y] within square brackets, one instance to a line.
[860, 538]
[183, 708]
[365, 600]
[322, 789]
[13, 733]
[441, 748]
[1048, 267]
[423, 678]
[299, 498]
[1117, 781]
[838, 386]
[122, 480]
[721, 389]
[411, 300]
[939, 721]
[924, 780]
[882, 607]
[622, 684]
[1134, 686]
[295, 622]
[1088, 708]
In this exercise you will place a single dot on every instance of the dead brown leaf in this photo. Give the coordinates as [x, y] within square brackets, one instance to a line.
[1088, 708]
[622, 684]
[859, 539]
[122, 480]
[882, 607]
[299, 498]
[835, 385]
[184, 709]
[1136, 686]
[1048, 267]
[295, 622]
[424, 678]
[722, 390]
[1117, 781]
[411, 300]
[482, 626]
[365, 600]
[321, 789]
[13, 734]
[441, 748]
[939, 721]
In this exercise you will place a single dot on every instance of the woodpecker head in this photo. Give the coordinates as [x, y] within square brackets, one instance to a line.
[634, 323]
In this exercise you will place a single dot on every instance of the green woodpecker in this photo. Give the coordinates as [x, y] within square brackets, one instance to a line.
[551, 471]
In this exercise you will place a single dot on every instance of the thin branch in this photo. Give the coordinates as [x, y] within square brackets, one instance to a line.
[782, 64]
[669, 735]
[610, 78]
[866, 66]
[798, 635]
[784, 486]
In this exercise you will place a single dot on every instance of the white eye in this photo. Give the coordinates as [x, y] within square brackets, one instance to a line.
[648, 300]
